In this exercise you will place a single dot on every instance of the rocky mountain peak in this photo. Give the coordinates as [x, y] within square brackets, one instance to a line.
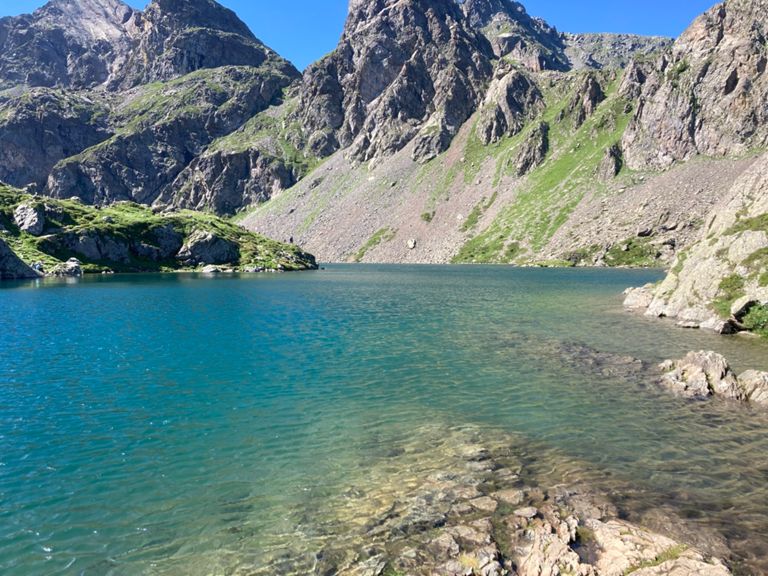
[196, 14]
[515, 34]
[97, 19]
[402, 68]
[76, 43]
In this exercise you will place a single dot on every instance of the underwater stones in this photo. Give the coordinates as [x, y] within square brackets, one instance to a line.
[510, 496]
[528, 512]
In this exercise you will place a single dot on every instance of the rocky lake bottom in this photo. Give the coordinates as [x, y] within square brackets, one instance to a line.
[368, 420]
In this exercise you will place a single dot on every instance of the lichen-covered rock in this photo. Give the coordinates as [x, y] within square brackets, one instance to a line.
[707, 94]
[587, 97]
[30, 218]
[12, 267]
[204, 247]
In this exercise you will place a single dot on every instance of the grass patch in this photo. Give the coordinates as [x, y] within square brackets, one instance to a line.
[551, 192]
[634, 252]
[672, 554]
[731, 288]
[757, 320]
[380, 236]
[428, 216]
[127, 226]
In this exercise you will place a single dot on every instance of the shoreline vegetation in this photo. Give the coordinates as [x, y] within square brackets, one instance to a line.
[51, 237]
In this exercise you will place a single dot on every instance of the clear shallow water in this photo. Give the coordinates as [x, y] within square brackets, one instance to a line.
[184, 425]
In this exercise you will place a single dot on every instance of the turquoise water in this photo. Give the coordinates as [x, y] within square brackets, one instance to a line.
[187, 425]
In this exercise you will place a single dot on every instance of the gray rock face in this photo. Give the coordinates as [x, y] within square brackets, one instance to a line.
[206, 248]
[534, 150]
[612, 162]
[165, 127]
[71, 43]
[12, 267]
[30, 218]
[182, 36]
[404, 70]
[41, 126]
[600, 51]
[728, 264]
[69, 269]
[512, 100]
[516, 35]
[89, 43]
[225, 181]
[707, 94]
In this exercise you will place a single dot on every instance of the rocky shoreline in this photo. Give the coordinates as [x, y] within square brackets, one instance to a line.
[468, 509]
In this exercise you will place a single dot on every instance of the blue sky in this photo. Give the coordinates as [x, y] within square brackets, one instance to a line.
[305, 30]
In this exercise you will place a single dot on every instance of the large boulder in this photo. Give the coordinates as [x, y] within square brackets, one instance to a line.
[204, 247]
[30, 218]
[705, 374]
[12, 267]
[700, 375]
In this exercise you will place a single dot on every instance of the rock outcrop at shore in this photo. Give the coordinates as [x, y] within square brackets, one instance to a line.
[12, 267]
[706, 374]
[68, 238]
[721, 279]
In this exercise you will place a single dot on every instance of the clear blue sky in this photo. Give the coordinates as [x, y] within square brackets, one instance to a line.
[305, 30]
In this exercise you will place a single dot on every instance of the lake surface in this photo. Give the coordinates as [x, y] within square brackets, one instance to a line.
[170, 425]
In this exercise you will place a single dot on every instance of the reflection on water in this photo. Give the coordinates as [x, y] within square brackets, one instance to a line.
[182, 425]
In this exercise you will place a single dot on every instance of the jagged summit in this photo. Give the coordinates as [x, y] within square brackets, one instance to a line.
[515, 34]
[78, 43]
[90, 43]
[197, 13]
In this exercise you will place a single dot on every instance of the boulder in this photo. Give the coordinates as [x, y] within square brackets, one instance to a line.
[755, 386]
[12, 267]
[204, 247]
[700, 375]
[30, 218]
[69, 269]
[638, 298]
